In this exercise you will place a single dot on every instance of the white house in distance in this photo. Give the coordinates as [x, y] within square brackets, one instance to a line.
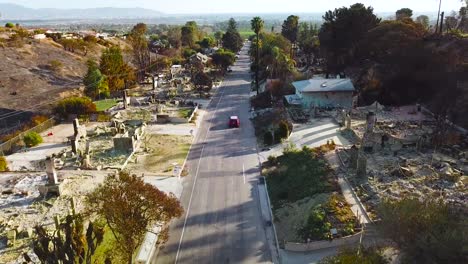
[39, 36]
[322, 93]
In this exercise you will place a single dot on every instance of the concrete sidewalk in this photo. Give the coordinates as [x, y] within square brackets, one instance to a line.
[267, 217]
[313, 134]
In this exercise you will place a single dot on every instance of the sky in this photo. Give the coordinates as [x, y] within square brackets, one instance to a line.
[244, 6]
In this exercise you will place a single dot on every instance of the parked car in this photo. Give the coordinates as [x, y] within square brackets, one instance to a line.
[234, 121]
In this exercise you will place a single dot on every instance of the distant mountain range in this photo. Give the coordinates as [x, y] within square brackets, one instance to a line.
[18, 12]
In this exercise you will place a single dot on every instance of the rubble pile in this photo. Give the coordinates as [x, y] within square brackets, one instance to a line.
[402, 159]
[22, 207]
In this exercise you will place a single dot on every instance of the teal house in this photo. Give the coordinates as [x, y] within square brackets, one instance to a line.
[322, 93]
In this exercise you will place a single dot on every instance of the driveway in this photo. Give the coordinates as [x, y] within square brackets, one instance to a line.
[31, 158]
[312, 134]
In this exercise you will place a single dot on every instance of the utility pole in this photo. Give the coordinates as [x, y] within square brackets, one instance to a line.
[438, 15]
[256, 62]
[441, 22]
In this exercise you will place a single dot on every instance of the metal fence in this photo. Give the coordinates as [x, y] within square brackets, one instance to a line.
[7, 147]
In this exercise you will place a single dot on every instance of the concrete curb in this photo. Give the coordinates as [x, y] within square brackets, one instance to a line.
[269, 207]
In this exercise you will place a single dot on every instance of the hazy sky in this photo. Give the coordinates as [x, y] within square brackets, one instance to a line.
[243, 6]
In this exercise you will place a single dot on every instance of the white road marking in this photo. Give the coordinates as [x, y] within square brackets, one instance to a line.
[195, 181]
[243, 172]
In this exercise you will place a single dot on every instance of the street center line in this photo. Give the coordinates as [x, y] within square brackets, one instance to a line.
[195, 181]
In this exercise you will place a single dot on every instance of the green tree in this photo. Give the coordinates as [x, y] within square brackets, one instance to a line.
[130, 207]
[423, 20]
[95, 82]
[3, 164]
[290, 29]
[222, 59]
[308, 41]
[207, 42]
[9, 25]
[428, 231]
[341, 32]
[283, 130]
[274, 60]
[75, 106]
[202, 82]
[218, 36]
[403, 13]
[141, 55]
[174, 36]
[32, 139]
[189, 34]
[257, 25]
[119, 73]
[232, 40]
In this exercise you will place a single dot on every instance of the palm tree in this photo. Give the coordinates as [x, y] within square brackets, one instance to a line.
[257, 26]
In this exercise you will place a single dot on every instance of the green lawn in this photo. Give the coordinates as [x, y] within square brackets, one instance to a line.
[103, 105]
[106, 248]
[246, 34]
[185, 113]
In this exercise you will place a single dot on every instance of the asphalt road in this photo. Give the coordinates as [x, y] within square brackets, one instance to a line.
[222, 222]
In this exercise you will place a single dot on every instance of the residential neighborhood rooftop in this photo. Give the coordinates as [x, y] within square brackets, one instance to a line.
[324, 85]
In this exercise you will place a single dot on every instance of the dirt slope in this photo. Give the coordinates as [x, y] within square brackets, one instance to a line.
[28, 82]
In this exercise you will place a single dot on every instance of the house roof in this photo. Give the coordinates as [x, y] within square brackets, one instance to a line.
[293, 99]
[324, 85]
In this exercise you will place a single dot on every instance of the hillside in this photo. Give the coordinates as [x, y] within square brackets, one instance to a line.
[30, 82]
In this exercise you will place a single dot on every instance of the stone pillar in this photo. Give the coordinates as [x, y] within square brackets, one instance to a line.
[353, 157]
[125, 99]
[76, 126]
[343, 117]
[348, 121]
[361, 171]
[371, 120]
[50, 170]
[88, 148]
[75, 146]
[86, 164]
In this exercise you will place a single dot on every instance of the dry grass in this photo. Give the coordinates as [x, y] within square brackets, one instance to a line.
[164, 151]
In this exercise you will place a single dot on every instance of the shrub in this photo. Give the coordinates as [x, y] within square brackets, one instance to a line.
[268, 138]
[75, 105]
[262, 100]
[176, 61]
[272, 160]
[38, 119]
[3, 164]
[32, 139]
[55, 65]
[317, 226]
[90, 39]
[187, 52]
[283, 130]
[9, 25]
